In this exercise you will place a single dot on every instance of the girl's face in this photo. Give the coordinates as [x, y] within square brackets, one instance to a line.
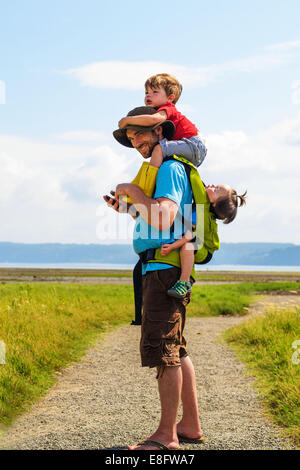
[220, 191]
[156, 97]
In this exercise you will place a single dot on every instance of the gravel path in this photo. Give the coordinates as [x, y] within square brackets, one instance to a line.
[100, 403]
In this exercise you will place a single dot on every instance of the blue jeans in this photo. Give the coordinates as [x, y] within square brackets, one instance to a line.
[193, 149]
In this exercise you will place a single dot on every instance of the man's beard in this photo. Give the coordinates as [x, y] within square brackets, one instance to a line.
[149, 146]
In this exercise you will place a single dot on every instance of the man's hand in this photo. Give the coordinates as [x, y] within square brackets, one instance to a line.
[117, 205]
[122, 190]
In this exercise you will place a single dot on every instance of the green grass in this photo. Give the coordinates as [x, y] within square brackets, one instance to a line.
[208, 301]
[45, 327]
[231, 299]
[264, 343]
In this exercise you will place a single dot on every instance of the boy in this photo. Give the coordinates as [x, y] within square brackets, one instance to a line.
[162, 92]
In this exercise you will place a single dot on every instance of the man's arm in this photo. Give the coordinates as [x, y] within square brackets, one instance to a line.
[143, 120]
[160, 213]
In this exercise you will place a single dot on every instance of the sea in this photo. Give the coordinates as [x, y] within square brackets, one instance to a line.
[220, 267]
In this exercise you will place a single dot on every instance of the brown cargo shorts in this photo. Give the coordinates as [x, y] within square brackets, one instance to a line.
[162, 341]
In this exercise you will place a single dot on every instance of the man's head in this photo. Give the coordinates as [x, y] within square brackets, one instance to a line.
[144, 141]
[169, 88]
[225, 201]
[167, 127]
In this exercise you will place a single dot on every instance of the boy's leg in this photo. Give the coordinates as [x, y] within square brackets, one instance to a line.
[189, 425]
[156, 156]
[192, 149]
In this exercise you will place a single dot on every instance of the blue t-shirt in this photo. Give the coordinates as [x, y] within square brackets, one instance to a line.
[171, 183]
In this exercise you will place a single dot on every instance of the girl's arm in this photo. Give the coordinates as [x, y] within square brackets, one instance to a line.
[168, 247]
[177, 244]
[143, 120]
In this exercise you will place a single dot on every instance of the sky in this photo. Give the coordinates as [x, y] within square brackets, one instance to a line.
[70, 69]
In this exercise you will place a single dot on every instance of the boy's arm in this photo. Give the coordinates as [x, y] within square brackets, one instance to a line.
[143, 120]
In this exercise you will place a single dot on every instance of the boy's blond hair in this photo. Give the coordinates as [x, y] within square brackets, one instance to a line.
[167, 82]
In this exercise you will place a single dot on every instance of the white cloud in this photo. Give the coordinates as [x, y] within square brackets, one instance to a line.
[267, 165]
[82, 136]
[50, 192]
[131, 75]
[284, 46]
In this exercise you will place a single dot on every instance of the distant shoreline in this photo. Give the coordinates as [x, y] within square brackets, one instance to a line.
[97, 276]
[95, 267]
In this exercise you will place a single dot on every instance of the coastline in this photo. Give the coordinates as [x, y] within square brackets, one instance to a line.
[97, 276]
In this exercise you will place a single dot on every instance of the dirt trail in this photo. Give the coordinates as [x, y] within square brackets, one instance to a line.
[101, 403]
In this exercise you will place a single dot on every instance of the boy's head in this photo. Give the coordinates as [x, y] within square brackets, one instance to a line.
[225, 201]
[167, 88]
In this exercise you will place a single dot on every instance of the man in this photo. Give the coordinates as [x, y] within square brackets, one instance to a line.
[162, 342]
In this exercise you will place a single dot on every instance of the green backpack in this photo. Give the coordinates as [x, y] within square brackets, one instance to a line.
[206, 232]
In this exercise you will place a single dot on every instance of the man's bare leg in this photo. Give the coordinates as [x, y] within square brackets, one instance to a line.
[189, 425]
[169, 386]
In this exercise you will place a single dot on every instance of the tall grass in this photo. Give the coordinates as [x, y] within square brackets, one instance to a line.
[45, 327]
[265, 344]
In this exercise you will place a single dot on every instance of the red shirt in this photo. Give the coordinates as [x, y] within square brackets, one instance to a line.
[184, 127]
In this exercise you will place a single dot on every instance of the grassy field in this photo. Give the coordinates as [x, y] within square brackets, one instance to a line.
[266, 345]
[45, 327]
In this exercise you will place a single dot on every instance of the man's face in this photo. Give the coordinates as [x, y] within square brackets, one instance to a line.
[142, 141]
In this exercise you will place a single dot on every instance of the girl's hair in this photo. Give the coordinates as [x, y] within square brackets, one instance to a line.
[226, 208]
[167, 82]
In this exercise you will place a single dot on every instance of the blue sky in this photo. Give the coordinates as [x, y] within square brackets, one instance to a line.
[71, 69]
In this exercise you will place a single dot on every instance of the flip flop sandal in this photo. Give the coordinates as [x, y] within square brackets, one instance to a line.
[159, 445]
[191, 440]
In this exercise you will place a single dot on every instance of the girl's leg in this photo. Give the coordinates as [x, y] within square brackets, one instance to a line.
[187, 261]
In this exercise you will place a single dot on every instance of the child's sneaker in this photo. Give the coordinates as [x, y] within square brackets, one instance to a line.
[180, 289]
